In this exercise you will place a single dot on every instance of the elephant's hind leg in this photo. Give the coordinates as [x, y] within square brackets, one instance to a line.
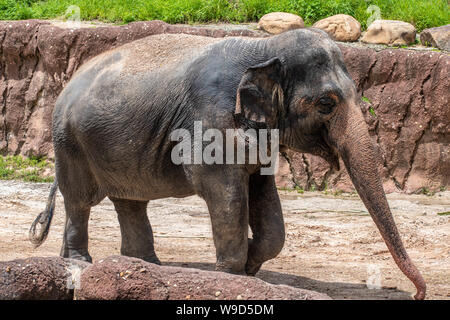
[137, 234]
[75, 241]
[266, 222]
[80, 191]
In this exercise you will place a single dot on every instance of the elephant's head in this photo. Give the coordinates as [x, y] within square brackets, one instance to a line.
[305, 91]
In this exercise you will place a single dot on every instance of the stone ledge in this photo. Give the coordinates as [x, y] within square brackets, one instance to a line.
[120, 277]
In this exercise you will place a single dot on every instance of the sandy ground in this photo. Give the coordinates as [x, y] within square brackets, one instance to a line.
[332, 245]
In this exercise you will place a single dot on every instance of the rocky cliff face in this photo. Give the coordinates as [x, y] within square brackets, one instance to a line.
[406, 99]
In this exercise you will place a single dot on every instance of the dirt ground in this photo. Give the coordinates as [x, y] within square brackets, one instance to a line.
[332, 245]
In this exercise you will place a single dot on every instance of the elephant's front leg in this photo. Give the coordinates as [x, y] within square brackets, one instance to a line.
[266, 222]
[226, 194]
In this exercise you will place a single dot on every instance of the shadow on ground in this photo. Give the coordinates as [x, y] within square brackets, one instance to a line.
[336, 290]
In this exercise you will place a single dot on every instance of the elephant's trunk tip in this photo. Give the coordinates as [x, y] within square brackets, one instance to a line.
[420, 286]
[411, 271]
[420, 295]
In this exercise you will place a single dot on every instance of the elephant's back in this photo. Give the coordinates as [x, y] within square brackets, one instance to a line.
[120, 76]
[150, 54]
[162, 51]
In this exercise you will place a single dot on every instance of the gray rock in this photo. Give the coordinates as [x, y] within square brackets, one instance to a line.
[437, 37]
[278, 22]
[340, 27]
[390, 32]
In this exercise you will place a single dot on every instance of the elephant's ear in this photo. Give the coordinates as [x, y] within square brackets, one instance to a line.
[260, 96]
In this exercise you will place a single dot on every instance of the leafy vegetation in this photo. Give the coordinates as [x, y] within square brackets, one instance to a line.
[299, 189]
[371, 109]
[365, 99]
[426, 191]
[31, 169]
[422, 13]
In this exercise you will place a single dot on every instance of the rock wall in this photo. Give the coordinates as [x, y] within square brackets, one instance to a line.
[407, 105]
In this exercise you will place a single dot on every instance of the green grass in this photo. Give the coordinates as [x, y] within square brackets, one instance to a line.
[426, 191]
[444, 213]
[422, 13]
[27, 169]
[296, 188]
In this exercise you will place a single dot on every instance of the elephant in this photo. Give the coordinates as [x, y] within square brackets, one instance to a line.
[111, 136]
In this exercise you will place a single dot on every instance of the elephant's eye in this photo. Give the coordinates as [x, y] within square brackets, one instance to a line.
[326, 105]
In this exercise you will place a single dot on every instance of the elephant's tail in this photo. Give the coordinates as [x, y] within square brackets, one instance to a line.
[44, 219]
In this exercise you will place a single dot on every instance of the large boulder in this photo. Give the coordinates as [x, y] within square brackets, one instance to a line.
[390, 32]
[51, 278]
[340, 27]
[125, 278]
[437, 37]
[278, 22]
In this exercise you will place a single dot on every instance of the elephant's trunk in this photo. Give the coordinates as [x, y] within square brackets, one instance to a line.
[348, 132]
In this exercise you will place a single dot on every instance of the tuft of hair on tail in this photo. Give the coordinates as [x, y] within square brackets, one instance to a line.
[44, 219]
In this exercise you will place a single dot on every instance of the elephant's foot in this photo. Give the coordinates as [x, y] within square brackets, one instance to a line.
[152, 259]
[234, 267]
[251, 268]
[145, 253]
[81, 255]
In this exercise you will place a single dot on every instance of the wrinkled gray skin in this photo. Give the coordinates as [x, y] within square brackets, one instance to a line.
[111, 129]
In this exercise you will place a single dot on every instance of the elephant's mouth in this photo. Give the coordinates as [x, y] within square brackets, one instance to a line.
[319, 144]
[329, 153]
